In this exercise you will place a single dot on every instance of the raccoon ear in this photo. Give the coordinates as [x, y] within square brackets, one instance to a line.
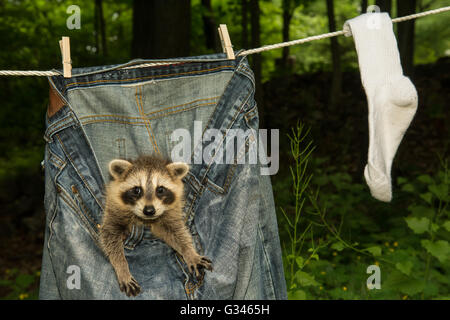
[117, 167]
[178, 169]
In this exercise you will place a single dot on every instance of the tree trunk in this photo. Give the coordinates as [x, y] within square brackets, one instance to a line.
[336, 80]
[256, 58]
[363, 6]
[287, 16]
[210, 26]
[385, 5]
[100, 28]
[244, 23]
[405, 36]
[161, 28]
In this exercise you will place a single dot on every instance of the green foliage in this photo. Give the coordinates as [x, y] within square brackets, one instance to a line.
[408, 238]
[19, 286]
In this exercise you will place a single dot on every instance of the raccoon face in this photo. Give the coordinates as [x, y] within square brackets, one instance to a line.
[148, 189]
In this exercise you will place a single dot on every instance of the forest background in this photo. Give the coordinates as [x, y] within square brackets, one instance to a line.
[331, 229]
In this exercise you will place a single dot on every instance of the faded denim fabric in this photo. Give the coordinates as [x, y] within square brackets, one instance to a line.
[111, 112]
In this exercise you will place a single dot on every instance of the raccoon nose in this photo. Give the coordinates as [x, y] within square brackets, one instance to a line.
[149, 210]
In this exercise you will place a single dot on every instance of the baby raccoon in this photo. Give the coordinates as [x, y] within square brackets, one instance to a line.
[147, 191]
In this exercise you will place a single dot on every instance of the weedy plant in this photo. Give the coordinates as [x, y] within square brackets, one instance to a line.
[332, 230]
[299, 228]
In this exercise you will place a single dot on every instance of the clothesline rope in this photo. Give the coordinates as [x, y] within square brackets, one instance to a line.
[245, 52]
[336, 33]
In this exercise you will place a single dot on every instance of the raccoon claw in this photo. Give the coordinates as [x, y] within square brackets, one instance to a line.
[130, 287]
[199, 263]
[206, 263]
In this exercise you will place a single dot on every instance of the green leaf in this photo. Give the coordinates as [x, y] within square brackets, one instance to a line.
[410, 286]
[418, 225]
[375, 250]
[24, 280]
[421, 211]
[315, 256]
[425, 178]
[300, 262]
[297, 295]
[439, 190]
[431, 290]
[439, 249]
[401, 180]
[404, 267]
[399, 282]
[338, 246]
[408, 187]
[427, 197]
[446, 225]
[434, 227]
[305, 279]
[4, 283]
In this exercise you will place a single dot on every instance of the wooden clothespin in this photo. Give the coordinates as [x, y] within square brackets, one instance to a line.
[64, 45]
[226, 42]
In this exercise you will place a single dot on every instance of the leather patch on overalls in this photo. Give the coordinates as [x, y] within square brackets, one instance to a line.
[55, 102]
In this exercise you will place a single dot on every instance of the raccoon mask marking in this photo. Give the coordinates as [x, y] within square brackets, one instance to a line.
[149, 191]
[148, 188]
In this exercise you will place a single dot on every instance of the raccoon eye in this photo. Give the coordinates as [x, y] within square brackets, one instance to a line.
[136, 191]
[160, 190]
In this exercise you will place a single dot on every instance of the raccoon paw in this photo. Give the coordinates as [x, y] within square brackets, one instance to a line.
[197, 263]
[129, 286]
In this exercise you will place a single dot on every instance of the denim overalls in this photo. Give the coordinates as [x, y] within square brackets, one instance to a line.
[118, 112]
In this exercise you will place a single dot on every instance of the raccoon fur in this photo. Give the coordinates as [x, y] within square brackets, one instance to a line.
[147, 191]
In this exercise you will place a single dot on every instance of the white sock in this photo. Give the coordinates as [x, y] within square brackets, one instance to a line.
[391, 97]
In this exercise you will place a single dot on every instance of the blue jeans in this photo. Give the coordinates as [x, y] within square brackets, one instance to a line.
[111, 112]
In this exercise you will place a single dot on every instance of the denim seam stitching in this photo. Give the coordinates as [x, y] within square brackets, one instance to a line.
[223, 138]
[51, 231]
[79, 173]
[158, 111]
[146, 120]
[148, 77]
[53, 129]
[212, 114]
[53, 158]
[141, 124]
[249, 115]
[191, 207]
[229, 177]
[78, 211]
[247, 72]
[61, 120]
[213, 188]
[85, 210]
[140, 118]
[261, 236]
[229, 126]
[55, 163]
[187, 104]
[186, 276]
[56, 207]
[193, 181]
